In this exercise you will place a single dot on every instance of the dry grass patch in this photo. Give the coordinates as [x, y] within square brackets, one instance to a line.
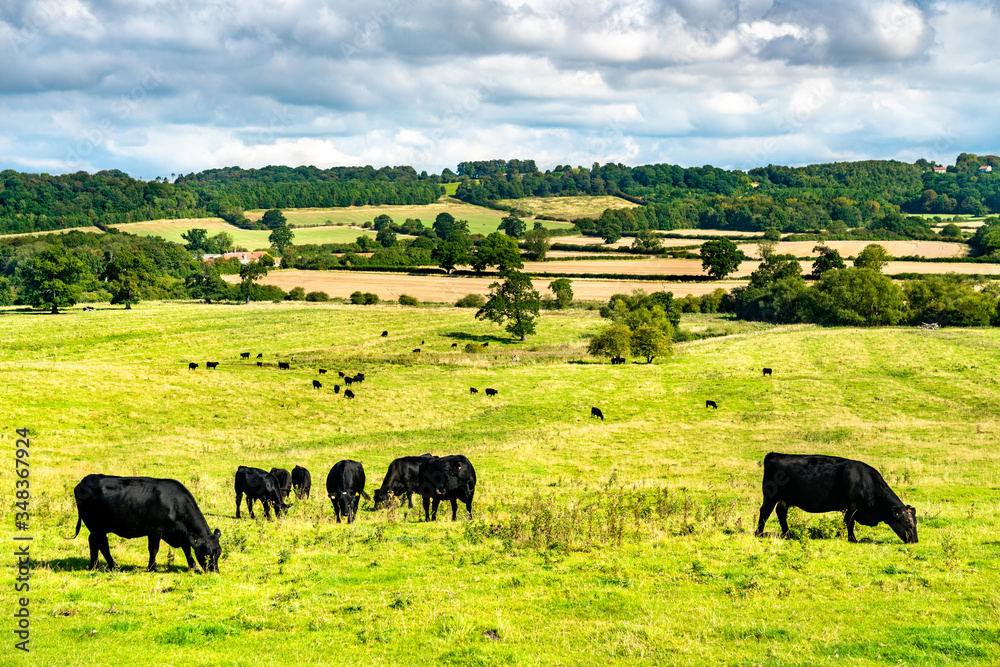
[569, 207]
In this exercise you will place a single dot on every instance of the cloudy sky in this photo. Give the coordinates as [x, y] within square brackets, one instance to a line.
[155, 87]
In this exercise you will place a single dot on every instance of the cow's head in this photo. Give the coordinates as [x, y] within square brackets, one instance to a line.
[207, 551]
[380, 497]
[904, 523]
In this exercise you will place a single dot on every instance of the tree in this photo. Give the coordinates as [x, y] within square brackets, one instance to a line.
[207, 284]
[512, 226]
[197, 240]
[537, 244]
[647, 241]
[872, 256]
[614, 340]
[562, 288]
[450, 254]
[497, 250]
[128, 273]
[828, 259]
[250, 273]
[513, 301]
[650, 342]
[273, 219]
[772, 234]
[386, 237]
[220, 243]
[281, 238]
[446, 226]
[856, 297]
[52, 278]
[720, 257]
[610, 232]
[381, 222]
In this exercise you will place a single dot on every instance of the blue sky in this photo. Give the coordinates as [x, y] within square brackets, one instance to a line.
[155, 87]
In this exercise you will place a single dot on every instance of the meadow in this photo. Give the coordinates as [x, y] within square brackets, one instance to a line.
[583, 206]
[623, 542]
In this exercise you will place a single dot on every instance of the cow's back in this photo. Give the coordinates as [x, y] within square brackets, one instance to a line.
[818, 483]
[130, 506]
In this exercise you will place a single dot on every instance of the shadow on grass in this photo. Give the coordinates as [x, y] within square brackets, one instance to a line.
[464, 336]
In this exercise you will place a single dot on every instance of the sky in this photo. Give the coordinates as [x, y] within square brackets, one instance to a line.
[162, 87]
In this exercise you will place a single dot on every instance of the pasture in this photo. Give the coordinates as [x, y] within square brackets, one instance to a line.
[623, 542]
[251, 239]
[582, 206]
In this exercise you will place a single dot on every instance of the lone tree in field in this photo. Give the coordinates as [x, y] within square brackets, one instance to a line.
[51, 278]
[562, 290]
[273, 219]
[514, 302]
[614, 340]
[512, 226]
[872, 256]
[720, 257]
[650, 342]
[127, 273]
[281, 238]
[250, 273]
[537, 244]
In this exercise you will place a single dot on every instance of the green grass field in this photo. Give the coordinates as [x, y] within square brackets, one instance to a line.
[171, 230]
[624, 542]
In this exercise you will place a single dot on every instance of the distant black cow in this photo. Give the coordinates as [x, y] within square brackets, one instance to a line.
[283, 365]
[348, 393]
[421, 342]
[259, 485]
[284, 479]
[767, 371]
[818, 483]
[322, 371]
[160, 509]
[384, 334]
[260, 364]
[348, 380]
[416, 350]
[617, 360]
[317, 384]
[596, 412]
[447, 478]
[399, 479]
[359, 377]
[486, 344]
[454, 344]
[711, 404]
[491, 392]
[211, 365]
[473, 390]
[260, 355]
[301, 482]
[344, 484]
[336, 388]
[244, 355]
[192, 366]
[340, 373]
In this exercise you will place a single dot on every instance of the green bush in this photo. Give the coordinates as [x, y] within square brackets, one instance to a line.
[407, 300]
[317, 296]
[370, 299]
[357, 298]
[471, 301]
[474, 348]
[297, 294]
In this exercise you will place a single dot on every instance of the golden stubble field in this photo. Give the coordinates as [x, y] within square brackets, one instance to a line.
[929, 249]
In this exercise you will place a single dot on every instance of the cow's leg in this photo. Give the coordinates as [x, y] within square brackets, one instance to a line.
[409, 499]
[765, 511]
[187, 554]
[427, 508]
[250, 507]
[239, 501]
[100, 542]
[154, 548]
[454, 509]
[849, 520]
[95, 545]
[468, 504]
[267, 508]
[782, 511]
[434, 509]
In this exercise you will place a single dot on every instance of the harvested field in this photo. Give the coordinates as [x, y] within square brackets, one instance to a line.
[444, 289]
[171, 230]
[592, 240]
[93, 230]
[569, 207]
[712, 232]
[930, 249]
[939, 267]
[635, 267]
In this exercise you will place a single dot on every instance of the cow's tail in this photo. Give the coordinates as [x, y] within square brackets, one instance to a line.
[79, 522]
[365, 495]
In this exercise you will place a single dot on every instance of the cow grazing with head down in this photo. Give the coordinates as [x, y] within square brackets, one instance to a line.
[491, 392]
[211, 365]
[260, 355]
[473, 390]
[447, 478]
[284, 479]
[322, 371]
[817, 483]
[416, 350]
[336, 388]
[340, 373]
[260, 364]
[348, 380]
[159, 509]
[401, 478]
[596, 412]
[767, 372]
[244, 355]
[344, 485]
[260, 485]
[348, 393]
[301, 482]
[283, 365]
[317, 384]
[711, 404]
[454, 344]
[385, 334]
[359, 377]
[192, 366]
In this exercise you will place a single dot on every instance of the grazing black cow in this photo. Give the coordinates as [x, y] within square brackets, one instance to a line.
[767, 371]
[260, 364]
[473, 390]
[447, 478]
[317, 384]
[283, 366]
[384, 334]
[284, 479]
[421, 342]
[336, 388]
[454, 344]
[160, 509]
[416, 350]
[322, 371]
[818, 483]
[210, 365]
[348, 393]
[301, 482]
[615, 361]
[486, 344]
[260, 355]
[259, 485]
[596, 412]
[359, 377]
[491, 392]
[348, 380]
[244, 355]
[711, 404]
[344, 484]
[340, 373]
[192, 366]
[400, 478]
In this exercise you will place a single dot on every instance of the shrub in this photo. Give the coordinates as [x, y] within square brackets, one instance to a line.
[474, 348]
[370, 298]
[471, 301]
[317, 296]
[407, 300]
[357, 298]
[297, 294]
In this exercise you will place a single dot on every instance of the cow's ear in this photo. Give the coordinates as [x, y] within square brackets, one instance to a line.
[217, 533]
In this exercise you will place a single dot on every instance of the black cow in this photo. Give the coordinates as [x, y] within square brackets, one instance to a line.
[818, 483]
[284, 479]
[336, 388]
[344, 484]
[447, 478]
[491, 392]
[283, 366]
[454, 344]
[348, 380]
[615, 361]
[192, 366]
[486, 344]
[301, 482]
[244, 355]
[259, 485]
[210, 365]
[322, 371]
[421, 342]
[260, 355]
[359, 377]
[160, 509]
[348, 393]
[340, 373]
[400, 478]
[384, 334]
[711, 404]
[416, 351]
[767, 371]
[260, 364]
[473, 390]
[596, 412]
[317, 384]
